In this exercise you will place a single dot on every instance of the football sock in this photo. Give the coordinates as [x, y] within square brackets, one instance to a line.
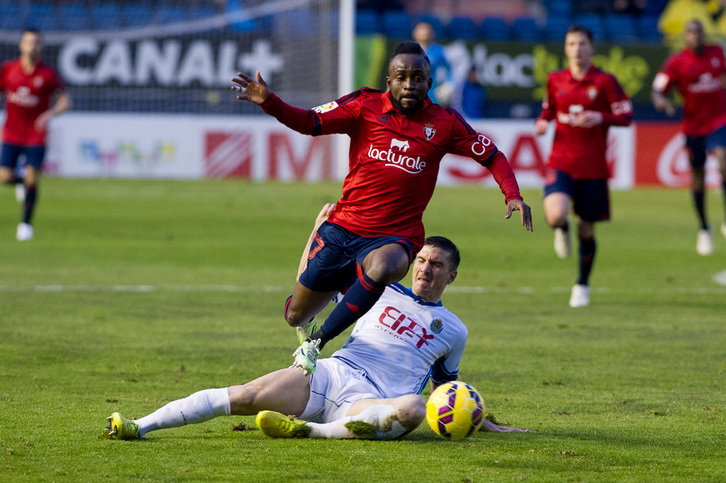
[380, 416]
[565, 227]
[31, 194]
[699, 198]
[358, 300]
[587, 257]
[197, 408]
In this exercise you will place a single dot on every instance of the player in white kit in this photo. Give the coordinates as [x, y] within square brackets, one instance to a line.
[370, 388]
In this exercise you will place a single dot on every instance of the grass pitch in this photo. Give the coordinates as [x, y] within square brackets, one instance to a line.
[135, 293]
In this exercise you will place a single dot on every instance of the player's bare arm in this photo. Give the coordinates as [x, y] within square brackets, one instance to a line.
[525, 211]
[63, 104]
[253, 90]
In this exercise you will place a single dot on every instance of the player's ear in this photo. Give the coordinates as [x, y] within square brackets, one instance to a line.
[388, 82]
[452, 276]
[431, 82]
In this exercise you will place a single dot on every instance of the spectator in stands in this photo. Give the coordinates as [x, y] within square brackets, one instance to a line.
[442, 88]
[629, 7]
[473, 96]
[677, 14]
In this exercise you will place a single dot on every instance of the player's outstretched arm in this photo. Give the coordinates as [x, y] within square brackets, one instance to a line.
[524, 209]
[253, 90]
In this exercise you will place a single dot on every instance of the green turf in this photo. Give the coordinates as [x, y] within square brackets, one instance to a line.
[135, 293]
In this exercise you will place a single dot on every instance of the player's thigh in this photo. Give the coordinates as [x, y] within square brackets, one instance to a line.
[556, 207]
[9, 155]
[387, 264]
[286, 391]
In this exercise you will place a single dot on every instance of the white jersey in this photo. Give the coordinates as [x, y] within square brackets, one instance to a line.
[403, 341]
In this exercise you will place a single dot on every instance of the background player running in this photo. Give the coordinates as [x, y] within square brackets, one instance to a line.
[368, 389]
[584, 101]
[29, 85]
[398, 139]
[698, 73]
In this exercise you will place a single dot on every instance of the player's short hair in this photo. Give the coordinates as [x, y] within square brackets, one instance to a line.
[448, 246]
[581, 29]
[410, 47]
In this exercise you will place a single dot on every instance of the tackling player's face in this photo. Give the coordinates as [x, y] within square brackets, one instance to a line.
[578, 49]
[431, 273]
[409, 82]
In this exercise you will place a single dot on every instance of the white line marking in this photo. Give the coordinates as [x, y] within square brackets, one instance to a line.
[719, 279]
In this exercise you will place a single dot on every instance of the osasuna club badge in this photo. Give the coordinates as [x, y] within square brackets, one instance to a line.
[437, 325]
[429, 131]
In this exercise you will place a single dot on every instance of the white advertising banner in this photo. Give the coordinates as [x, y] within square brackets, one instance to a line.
[259, 148]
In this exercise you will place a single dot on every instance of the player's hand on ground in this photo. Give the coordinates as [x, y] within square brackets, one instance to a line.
[489, 427]
[524, 209]
[252, 90]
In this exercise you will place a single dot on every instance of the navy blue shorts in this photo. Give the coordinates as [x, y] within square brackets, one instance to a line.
[699, 146]
[336, 253]
[34, 156]
[590, 197]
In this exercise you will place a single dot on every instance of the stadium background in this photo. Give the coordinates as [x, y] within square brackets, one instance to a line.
[150, 81]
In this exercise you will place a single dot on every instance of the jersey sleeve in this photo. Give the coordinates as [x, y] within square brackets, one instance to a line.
[548, 103]
[621, 109]
[335, 117]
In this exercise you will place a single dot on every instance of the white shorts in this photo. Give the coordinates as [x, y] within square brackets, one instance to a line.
[334, 387]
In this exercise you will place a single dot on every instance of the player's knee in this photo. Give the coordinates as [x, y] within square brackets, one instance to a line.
[295, 318]
[411, 411]
[556, 220]
[242, 399]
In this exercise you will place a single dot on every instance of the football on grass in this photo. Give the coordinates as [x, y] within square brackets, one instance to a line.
[455, 410]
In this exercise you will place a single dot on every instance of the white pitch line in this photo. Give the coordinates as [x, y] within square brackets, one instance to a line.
[459, 289]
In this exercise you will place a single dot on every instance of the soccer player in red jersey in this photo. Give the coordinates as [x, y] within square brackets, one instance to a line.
[29, 86]
[398, 138]
[584, 101]
[698, 73]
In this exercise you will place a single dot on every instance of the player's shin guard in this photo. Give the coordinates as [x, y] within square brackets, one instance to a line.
[587, 257]
[197, 408]
[358, 300]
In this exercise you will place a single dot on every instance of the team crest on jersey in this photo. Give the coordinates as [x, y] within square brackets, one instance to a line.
[429, 131]
[325, 107]
[592, 93]
[437, 325]
[37, 81]
[715, 62]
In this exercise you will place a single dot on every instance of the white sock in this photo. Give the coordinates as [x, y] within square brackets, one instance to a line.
[197, 408]
[375, 415]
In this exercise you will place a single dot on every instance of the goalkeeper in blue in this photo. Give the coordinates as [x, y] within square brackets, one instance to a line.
[369, 389]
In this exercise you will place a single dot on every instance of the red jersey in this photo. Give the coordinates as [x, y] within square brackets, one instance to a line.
[697, 77]
[579, 151]
[27, 96]
[394, 158]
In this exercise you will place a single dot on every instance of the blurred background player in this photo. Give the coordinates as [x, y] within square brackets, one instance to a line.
[584, 101]
[29, 86]
[442, 89]
[698, 74]
[398, 139]
[368, 389]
